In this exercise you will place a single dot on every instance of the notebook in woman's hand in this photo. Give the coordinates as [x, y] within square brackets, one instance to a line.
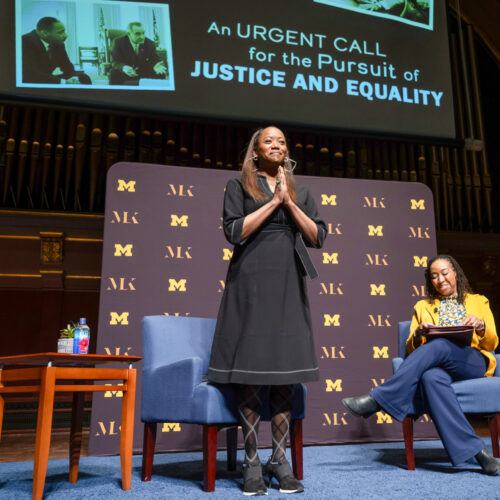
[460, 335]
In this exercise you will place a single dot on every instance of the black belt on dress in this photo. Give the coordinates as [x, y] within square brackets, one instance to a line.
[300, 249]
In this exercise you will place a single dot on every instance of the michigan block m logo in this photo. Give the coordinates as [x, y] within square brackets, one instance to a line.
[176, 220]
[417, 204]
[419, 261]
[124, 185]
[375, 231]
[333, 386]
[377, 289]
[227, 254]
[329, 199]
[330, 258]
[125, 250]
[331, 320]
[380, 352]
[116, 318]
[177, 285]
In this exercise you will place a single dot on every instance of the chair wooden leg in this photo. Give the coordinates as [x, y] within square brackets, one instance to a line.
[148, 450]
[209, 456]
[494, 430]
[127, 432]
[408, 435]
[43, 430]
[232, 447]
[75, 438]
[297, 449]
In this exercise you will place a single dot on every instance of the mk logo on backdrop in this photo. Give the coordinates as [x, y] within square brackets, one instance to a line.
[177, 285]
[380, 352]
[118, 351]
[227, 253]
[179, 220]
[377, 289]
[424, 418]
[332, 352]
[125, 250]
[124, 185]
[419, 232]
[331, 320]
[334, 420]
[332, 386]
[417, 204]
[330, 258]
[180, 190]
[124, 218]
[108, 429]
[383, 418]
[121, 284]
[331, 289]
[334, 229]
[178, 252]
[379, 320]
[418, 291]
[378, 382]
[419, 261]
[118, 319]
[116, 394]
[375, 231]
[329, 199]
[373, 202]
[376, 259]
[171, 427]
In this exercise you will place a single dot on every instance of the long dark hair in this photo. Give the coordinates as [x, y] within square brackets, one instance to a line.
[463, 286]
[250, 168]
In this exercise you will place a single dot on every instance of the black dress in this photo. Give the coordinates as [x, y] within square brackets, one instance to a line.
[263, 334]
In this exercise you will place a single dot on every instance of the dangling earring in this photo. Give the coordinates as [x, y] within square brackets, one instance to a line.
[255, 159]
[289, 160]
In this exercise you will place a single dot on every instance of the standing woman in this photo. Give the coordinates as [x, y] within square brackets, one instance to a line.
[264, 335]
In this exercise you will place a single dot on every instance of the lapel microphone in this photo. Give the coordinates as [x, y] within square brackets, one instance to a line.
[435, 309]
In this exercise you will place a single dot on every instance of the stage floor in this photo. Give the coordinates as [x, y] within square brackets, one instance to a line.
[372, 470]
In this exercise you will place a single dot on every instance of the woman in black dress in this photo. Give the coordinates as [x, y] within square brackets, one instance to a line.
[263, 335]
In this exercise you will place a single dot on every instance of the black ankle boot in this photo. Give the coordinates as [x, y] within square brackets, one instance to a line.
[488, 463]
[282, 471]
[253, 482]
[361, 406]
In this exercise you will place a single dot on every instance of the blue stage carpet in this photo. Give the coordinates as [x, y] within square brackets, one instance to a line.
[373, 470]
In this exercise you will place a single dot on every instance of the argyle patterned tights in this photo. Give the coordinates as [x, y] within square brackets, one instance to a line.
[280, 398]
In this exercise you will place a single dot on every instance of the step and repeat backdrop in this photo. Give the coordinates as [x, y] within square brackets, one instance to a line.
[165, 253]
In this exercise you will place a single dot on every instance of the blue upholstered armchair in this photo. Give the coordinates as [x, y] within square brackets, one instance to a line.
[177, 349]
[479, 396]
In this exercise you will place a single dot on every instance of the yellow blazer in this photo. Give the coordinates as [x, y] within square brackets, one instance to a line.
[427, 311]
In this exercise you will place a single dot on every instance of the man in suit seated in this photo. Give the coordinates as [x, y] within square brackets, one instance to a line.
[134, 57]
[45, 59]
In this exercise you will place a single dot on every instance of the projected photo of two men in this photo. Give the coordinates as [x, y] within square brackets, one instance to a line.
[94, 43]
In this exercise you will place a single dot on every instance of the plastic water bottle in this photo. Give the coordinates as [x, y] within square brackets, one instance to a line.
[81, 338]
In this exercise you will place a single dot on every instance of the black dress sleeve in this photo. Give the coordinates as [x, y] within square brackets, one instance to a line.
[233, 212]
[312, 212]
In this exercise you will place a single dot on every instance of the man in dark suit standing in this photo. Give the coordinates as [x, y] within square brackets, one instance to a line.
[134, 57]
[45, 59]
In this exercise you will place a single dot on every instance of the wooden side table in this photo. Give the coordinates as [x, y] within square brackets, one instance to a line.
[48, 373]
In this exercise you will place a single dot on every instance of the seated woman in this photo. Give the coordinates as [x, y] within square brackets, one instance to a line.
[435, 365]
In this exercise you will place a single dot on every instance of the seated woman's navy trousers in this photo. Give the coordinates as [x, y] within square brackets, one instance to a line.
[433, 367]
